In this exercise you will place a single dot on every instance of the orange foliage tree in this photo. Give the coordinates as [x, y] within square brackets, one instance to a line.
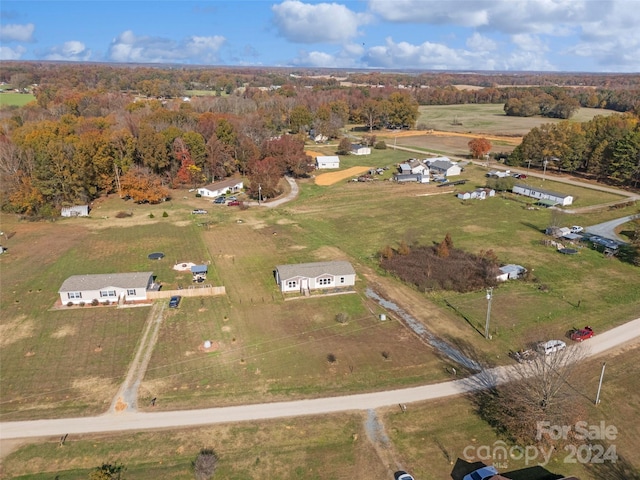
[143, 186]
[479, 147]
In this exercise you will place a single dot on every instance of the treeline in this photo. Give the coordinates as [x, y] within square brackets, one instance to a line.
[605, 148]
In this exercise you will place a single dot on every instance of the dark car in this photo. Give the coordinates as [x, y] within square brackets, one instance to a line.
[175, 301]
[233, 203]
[402, 475]
[582, 334]
[220, 200]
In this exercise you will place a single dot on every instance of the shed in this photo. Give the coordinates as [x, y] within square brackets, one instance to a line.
[357, 149]
[510, 272]
[199, 272]
[75, 211]
[327, 161]
[411, 177]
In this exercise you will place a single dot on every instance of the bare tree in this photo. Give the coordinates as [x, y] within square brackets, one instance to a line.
[541, 391]
[204, 466]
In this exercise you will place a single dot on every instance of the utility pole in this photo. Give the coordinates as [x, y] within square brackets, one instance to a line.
[604, 364]
[486, 325]
[259, 194]
[544, 170]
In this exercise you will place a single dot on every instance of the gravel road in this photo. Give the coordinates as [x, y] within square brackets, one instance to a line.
[626, 334]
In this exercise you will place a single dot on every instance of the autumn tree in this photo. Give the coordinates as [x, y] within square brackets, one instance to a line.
[142, 185]
[108, 471]
[479, 147]
[288, 150]
[344, 147]
[264, 175]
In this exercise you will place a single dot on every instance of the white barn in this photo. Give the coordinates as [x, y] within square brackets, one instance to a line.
[221, 188]
[112, 287]
[357, 149]
[327, 161]
[304, 277]
[545, 195]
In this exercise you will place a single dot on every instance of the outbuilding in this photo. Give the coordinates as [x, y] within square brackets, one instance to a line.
[75, 211]
[357, 149]
[327, 161]
[510, 272]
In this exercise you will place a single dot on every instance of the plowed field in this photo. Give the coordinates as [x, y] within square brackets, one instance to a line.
[330, 178]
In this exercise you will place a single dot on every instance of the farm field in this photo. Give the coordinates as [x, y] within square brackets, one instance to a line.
[15, 99]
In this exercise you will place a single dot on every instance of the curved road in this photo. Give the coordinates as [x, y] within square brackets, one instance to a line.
[624, 334]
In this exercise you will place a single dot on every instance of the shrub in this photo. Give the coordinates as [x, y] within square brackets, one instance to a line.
[151, 215]
[165, 214]
[81, 304]
[124, 214]
[204, 466]
[95, 302]
[198, 195]
[381, 145]
[331, 358]
[106, 302]
[342, 317]
[69, 304]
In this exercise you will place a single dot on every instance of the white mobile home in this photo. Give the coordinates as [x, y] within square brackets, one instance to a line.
[231, 185]
[540, 194]
[304, 277]
[112, 287]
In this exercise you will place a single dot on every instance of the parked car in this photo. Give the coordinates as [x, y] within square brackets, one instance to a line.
[174, 301]
[199, 211]
[233, 203]
[220, 200]
[552, 346]
[582, 334]
[402, 475]
[232, 198]
[577, 229]
[482, 473]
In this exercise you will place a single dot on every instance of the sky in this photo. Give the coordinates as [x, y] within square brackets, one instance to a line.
[452, 35]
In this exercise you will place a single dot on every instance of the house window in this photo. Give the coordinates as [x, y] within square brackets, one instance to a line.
[341, 279]
[324, 281]
[131, 291]
[72, 295]
[291, 284]
[107, 293]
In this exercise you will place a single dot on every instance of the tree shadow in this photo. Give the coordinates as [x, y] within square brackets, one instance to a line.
[621, 469]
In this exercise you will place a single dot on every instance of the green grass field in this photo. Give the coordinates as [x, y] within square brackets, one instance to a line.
[70, 362]
[489, 119]
[12, 99]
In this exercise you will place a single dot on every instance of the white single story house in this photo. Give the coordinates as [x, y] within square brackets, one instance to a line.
[478, 193]
[230, 185]
[543, 195]
[327, 161]
[108, 286]
[510, 272]
[411, 177]
[499, 174]
[444, 166]
[357, 149]
[75, 211]
[418, 167]
[303, 277]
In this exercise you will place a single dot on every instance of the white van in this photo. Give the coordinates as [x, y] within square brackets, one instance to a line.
[552, 346]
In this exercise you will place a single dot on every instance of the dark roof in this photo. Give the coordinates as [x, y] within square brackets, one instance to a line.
[77, 283]
[313, 270]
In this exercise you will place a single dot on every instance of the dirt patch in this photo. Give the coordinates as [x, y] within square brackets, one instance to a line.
[65, 331]
[212, 348]
[313, 154]
[325, 179]
[17, 329]
[330, 253]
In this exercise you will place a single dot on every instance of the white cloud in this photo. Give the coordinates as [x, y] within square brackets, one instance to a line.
[528, 42]
[318, 23]
[17, 33]
[348, 56]
[70, 51]
[480, 43]
[464, 13]
[426, 55]
[8, 53]
[128, 47]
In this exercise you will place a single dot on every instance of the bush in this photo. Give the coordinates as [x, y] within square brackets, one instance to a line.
[151, 215]
[331, 358]
[198, 195]
[342, 317]
[165, 214]
[381, 145]
[106, 302]
[95, 302]
[69, 304]
[204, 466]
[81, 304]
[124, 214]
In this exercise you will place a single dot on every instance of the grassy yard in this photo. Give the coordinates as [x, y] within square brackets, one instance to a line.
[12, 99]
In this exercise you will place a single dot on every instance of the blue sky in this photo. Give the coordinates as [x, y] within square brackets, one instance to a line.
[500, 35]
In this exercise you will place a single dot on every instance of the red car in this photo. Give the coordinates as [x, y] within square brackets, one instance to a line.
[233, 203]
[582, 334]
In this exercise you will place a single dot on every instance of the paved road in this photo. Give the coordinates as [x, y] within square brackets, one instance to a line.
[608, 229]
[628, 333]
[280, 200]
